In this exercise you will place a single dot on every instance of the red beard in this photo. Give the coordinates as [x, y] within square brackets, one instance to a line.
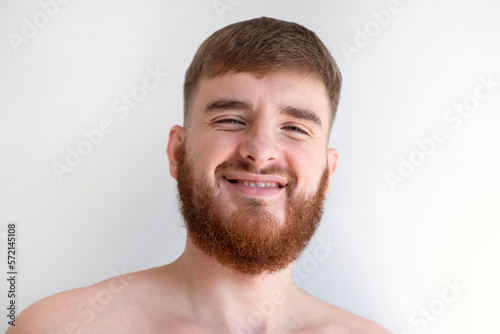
[251, 240]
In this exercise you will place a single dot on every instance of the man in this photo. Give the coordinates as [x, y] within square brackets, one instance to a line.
[253, 170]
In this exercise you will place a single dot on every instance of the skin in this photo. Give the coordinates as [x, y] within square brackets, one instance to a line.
[196, 294]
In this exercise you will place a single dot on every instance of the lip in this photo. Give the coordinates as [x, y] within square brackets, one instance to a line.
[282, 182]
[256, 178]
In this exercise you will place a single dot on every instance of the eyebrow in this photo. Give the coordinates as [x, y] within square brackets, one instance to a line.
[233, 104]
[304, 114]
[227, 104]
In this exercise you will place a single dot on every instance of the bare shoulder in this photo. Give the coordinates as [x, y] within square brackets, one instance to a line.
[89, 309]
[332, 319]
[353, 323]
[51, 314]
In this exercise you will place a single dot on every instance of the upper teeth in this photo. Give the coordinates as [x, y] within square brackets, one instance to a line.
[260, 184]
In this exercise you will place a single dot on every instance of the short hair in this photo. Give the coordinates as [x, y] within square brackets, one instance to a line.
[261, 46]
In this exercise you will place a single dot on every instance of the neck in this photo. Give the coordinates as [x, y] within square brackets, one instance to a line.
[223, 296]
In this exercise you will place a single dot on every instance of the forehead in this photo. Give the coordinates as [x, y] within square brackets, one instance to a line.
[272, 91]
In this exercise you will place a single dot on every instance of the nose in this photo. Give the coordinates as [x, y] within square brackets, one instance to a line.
[259, 146]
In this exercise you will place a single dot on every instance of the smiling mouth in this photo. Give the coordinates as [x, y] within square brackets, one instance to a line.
[256, 184]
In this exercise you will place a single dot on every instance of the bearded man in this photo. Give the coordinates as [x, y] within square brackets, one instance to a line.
[253, 168]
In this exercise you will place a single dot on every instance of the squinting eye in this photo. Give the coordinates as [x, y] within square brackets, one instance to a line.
[229, 121]
[296, 129]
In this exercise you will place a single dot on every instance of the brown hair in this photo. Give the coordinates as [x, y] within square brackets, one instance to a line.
[261, 46]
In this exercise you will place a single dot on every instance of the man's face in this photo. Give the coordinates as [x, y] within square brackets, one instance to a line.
[253, 168]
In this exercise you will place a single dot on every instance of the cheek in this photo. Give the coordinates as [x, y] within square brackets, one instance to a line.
[207, 154]
[308, 166]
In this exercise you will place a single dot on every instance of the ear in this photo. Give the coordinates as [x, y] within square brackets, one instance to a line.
[176, 139]
[332, 156]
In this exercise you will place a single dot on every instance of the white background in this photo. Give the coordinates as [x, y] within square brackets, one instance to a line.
[116, 211]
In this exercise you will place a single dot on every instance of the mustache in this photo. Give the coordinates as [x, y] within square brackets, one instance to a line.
[243, 166]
